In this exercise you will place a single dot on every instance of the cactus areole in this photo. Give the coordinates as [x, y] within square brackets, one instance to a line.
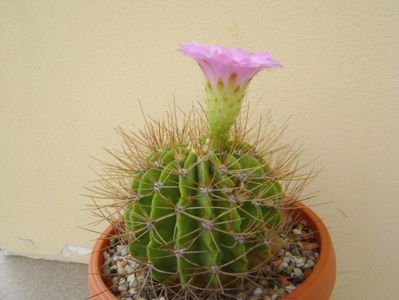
[204, 211]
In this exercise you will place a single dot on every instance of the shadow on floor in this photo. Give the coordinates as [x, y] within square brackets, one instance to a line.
[24, 278]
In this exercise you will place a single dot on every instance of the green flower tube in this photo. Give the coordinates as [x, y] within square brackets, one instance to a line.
[228, 73]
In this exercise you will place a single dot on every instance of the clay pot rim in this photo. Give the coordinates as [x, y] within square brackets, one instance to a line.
[99, 290]
[326, 259]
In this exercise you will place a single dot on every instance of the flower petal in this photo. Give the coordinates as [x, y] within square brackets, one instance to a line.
[219, 63]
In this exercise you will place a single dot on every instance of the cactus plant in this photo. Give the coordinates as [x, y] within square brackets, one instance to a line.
[207, 213]
[203, 215]
[203, 199]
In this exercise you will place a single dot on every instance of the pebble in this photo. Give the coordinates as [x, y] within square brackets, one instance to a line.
[286, 259]
[283, 265]
[116, 258]
[280, 292]
[310, 263]
[289, 270]
[113, 269]
[132, 291]
[124, 251]
[258, 291]
[131, 279]
[121, 267]
[299, 262]
[297, 231]
[122, 287]
[298, 273]
[129, 269]
[274, 297]
[290, 288]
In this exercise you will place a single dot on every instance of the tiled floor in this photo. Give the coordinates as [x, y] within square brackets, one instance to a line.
[23, 278]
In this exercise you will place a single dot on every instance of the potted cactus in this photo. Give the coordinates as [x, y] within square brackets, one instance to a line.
[208, 206]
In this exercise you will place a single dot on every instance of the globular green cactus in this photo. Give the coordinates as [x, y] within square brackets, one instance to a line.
[204, 199]
[203, 217]
[204, 208]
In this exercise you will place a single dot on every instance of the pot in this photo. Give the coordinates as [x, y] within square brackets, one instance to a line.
[317, 286]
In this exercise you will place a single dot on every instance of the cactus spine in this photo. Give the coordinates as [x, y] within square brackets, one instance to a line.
[204, 218]
[204, 199]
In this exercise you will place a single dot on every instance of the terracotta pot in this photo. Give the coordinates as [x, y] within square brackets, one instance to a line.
[318, 286]
[320, 283]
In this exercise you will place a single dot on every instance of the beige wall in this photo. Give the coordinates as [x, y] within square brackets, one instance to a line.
[72, 70]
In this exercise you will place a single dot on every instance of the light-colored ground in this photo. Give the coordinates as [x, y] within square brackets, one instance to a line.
[24, 278]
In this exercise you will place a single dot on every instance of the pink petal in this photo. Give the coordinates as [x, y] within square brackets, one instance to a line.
[219, 63]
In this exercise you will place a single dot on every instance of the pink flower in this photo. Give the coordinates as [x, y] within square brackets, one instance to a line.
[235, 66]
[228, 73]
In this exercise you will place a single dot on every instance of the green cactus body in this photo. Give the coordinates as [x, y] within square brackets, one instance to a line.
[202, 218]
[203, 210]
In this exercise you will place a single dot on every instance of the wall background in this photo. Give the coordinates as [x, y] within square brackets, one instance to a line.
[70, 71]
